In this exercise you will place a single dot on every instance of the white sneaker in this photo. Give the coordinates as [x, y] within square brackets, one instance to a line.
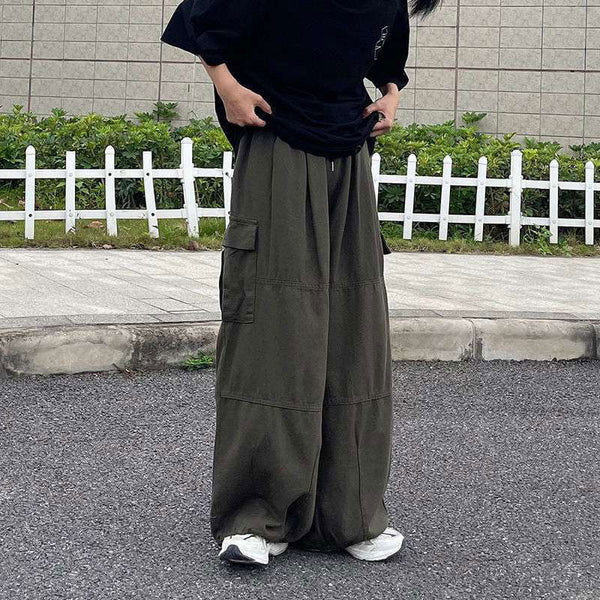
[250, 549]
[379, 548]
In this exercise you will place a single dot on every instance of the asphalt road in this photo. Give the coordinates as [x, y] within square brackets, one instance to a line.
[105, 482]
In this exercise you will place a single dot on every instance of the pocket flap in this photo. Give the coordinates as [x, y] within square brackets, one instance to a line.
[240, 233]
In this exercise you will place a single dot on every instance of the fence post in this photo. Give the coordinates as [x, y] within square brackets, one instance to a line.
[516, 187]
[29, 193]
[409, 198]
[227, 177]
[553, 198]
[189, 192]
[70, 192]
[375, 172]
[445, 200]
[111, 204]
[589, 203]
[480, 202]
[149, 194]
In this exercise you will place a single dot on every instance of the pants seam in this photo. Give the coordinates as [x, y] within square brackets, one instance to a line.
[291, 283]
[353, 284]
[332, 401]
[264, 402]
[360, 500]
[313, 481]
[318, 286]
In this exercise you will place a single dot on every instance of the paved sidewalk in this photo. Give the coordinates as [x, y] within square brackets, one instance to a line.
[88, 286]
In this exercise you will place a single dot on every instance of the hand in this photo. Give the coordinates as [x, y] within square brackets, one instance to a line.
[387, 106]
[240, 103]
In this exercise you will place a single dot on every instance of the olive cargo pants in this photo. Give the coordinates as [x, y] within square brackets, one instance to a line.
[303, 360]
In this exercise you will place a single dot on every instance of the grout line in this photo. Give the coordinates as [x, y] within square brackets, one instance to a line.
[497, 131]
[30, 83]
[127, 66]
[180, 62]
[539, 134]
[160, 56]
[595, 336]
[476, 343]
[585, 51]
[457, 48]
[415, 68]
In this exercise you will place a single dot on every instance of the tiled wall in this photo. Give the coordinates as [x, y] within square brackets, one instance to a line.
[532, 65]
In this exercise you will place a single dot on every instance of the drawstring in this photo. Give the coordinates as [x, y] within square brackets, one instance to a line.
[331, 160]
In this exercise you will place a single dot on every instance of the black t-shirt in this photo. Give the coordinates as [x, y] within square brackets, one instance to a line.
[307, 58]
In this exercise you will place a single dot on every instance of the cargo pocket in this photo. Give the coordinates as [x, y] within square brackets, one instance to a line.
[385, 247]
[237, 281]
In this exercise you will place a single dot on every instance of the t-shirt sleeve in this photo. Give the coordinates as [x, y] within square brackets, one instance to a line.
[390, 64]
[212, 29]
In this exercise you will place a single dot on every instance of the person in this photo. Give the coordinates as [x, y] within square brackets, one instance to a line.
[303, 388]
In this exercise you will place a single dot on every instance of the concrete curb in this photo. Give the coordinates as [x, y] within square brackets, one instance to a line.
[83, 348]
[493, 339]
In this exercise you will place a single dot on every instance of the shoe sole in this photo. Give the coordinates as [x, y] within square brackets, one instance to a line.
[234, 555]
[375, 557]
[278, 552]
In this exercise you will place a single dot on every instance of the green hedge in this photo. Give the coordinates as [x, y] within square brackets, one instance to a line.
[89, 135]
[466, 144]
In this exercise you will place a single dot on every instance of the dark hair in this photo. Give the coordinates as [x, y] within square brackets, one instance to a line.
[423, 7]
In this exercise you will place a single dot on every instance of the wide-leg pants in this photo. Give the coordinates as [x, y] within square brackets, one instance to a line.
[303, 360]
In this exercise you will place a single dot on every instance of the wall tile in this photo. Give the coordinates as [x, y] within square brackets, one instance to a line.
[523, 62]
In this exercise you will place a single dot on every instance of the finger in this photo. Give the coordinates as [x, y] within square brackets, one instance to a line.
[248, 119]
[262, 103]
[371, 109]
[383, 123]
[378, 133]
[380, 128]
[241, 121]
[257, 122]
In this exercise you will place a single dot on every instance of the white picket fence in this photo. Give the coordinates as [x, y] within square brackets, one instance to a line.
[191, 212]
